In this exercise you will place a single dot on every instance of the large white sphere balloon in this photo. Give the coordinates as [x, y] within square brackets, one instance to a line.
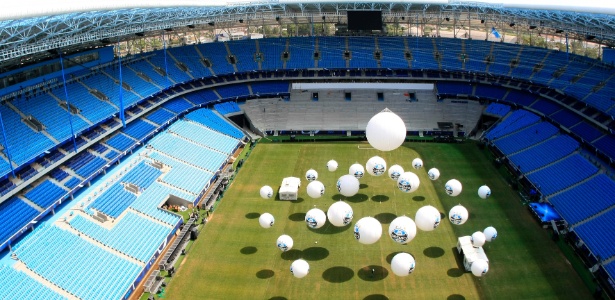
[385, 131]
[433, 174]
[458, 215]
[357, 171]
[490, 233]
[484, 192]
[402, 230]
[478, 239]
[417, 163]
[315, 218]
[402, 264]
[408, 182]
[376, 166]
[331, 165]
[311, 175]
[395, 171]
[284, 243]
[427, 218]
[340, 214]
[266, 192]
[480, 267]
[299, 268]
[348, 185]
[315, 189]
[266, 220]
[367, 230]
[453, 187]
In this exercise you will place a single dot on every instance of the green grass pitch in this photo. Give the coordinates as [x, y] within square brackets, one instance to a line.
[234, 258]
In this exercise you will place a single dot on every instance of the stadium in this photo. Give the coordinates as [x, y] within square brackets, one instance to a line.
[137, 135]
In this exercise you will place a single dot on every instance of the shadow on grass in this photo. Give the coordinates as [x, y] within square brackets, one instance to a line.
[455, 297]
[315, 253]
[252, 215]
[454, 272]
[278, 298]
[248, 250]
[385, 218]
[376, 297]
[329, 229]
[358, 198]
[337, 274]
[373, 273]
[363, 186]
[264, 274]
[433, 252]
[292, 254]
[418, 198]
[380, 198]
[297, 217]
[389, 257]
[443, 216]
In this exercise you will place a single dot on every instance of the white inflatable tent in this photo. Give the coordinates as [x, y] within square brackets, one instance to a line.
[470, 253]
[290, 188]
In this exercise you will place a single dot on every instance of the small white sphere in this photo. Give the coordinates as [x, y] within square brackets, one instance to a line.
[408, 182]
[266, 192]
[357, 171]
[453, 187]
[348, 185]
[299, 268]
[284, 243]
[315, 218]
[458, 215]
[395, 171]
[480, 267]
[331, 166]
[402, 230]
[403, 264]
[478, 239]
[311, 175]
[433, 174]
[340, 214]
[417, 163]
[367, 230]
[315, 189]
[385, 131]
[490, 234]
[427, 218]
[376, 166]
[266, 220]
[484, 192]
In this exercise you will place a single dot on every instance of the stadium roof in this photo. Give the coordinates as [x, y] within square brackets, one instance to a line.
[28, 27]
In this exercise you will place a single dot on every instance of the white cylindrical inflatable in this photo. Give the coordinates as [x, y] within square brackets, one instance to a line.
[402, 230]
[299, 268]
[385, 131]
[348, 185]
[490, 234]
[433, 174]
[266, 192]
[376, 166]
[458, 215]
[284, 243]
[357, 171]
[427, 218]
[367, 230]
[417, 163]
[408, 182]
[315, 218]
[453, 187]
[311, 175]
[403, 264]
[395, 171]
[332, 165]
[315, 189]
[266, 220]
[478, 239]
[484, 192]
[480, 267]
[340, 214]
